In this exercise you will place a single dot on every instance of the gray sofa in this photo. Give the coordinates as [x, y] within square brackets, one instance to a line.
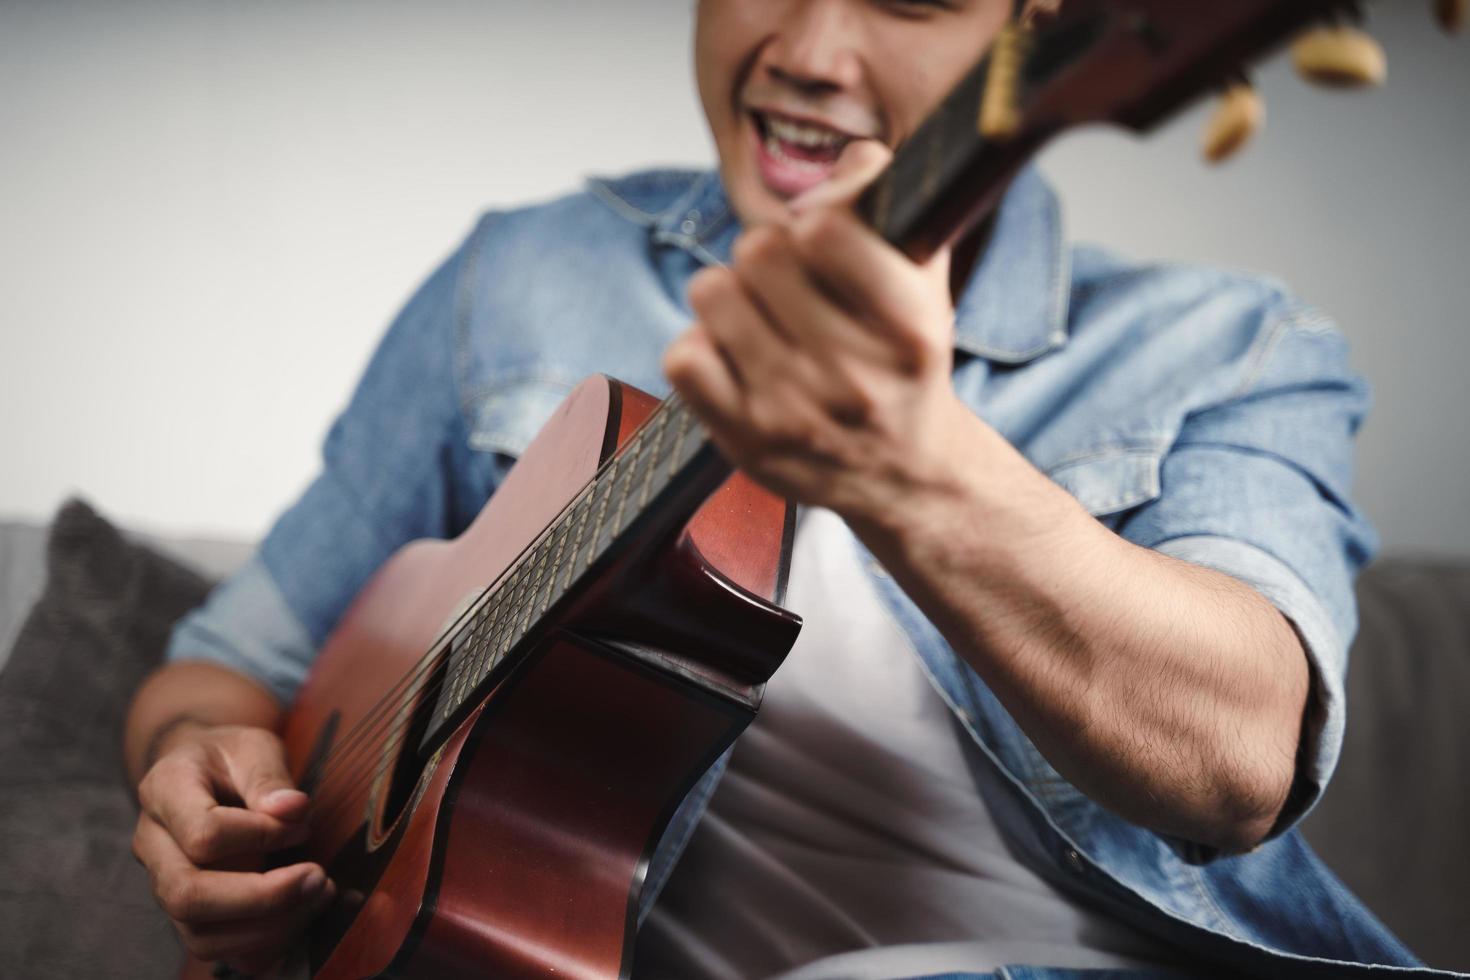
[87, 611]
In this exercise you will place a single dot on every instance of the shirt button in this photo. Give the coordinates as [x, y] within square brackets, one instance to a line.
[688, 227]
[1075, 860]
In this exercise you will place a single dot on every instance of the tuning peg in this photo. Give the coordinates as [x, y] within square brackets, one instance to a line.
[1340, 56]
[1451, 13]
[1237, 118]
[1000, 106]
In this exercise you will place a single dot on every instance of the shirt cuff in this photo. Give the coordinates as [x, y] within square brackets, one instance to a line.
[1324, 643]
[246, 625]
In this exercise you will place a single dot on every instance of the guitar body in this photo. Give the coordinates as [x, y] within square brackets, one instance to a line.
[502, 826]
[519, 848]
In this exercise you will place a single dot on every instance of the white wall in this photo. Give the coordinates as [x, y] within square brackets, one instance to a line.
[210, 210]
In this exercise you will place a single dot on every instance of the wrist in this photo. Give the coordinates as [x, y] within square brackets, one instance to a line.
[924, 477]
[970, 499]
[174, 732]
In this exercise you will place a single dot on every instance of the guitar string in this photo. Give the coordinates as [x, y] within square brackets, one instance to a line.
[503, 581]
[442, 647]
[391, 704]
[352, 795]
[495, 629]
[424, 684]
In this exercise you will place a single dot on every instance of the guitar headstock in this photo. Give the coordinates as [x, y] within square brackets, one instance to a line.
[1061, 64]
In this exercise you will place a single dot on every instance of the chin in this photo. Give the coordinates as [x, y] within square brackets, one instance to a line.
[752, 202]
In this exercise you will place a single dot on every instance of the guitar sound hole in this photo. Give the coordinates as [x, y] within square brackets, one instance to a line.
[408, 764]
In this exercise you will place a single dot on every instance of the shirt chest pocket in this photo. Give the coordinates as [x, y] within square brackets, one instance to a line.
[506, 416]
[506, 413]
[1109, 482]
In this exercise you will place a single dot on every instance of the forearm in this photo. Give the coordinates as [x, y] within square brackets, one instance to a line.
[820, 362]
[1170, 693]
[190, 693]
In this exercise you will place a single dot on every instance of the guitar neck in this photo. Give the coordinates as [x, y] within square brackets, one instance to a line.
[1092, 62]
[649, 490]
[641, 496]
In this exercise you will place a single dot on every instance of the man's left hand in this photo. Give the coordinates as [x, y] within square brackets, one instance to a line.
[820, 358]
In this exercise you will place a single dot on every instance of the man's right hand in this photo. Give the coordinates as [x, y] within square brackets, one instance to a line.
[217, 801]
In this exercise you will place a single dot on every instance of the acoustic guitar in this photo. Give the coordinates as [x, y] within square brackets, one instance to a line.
[502, 725]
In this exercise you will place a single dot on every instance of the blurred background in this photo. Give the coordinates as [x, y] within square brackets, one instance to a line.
[209, 212]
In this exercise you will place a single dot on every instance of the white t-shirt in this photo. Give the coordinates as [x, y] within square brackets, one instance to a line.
[848, 838]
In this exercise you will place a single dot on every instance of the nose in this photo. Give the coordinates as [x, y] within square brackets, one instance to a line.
[815, 51]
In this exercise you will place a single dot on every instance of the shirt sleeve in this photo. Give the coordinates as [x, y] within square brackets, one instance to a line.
[396, 466]
[1257, 487]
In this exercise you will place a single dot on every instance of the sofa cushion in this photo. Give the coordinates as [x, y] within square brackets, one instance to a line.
[1393, 821]
[73, 902]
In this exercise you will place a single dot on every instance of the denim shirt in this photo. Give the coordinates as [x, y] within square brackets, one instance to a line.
[1205, 414]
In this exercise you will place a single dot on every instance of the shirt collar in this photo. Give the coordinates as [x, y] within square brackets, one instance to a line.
[1014, 305]
[700, 221]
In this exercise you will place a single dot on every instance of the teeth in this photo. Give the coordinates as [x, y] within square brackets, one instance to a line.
[811, 137]
[776, 150]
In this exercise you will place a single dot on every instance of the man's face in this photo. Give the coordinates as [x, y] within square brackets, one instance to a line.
[786, 84]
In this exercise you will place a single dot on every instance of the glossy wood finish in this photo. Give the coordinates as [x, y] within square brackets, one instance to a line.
[405, 606]
[1132, 64]
[716, 529]
[556, 820]
[526, 850]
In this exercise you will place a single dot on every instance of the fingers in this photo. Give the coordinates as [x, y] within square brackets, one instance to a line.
[192, 895]
[777, 381]
[874, 281]
[246, 917]
[702, 375]
[862, 273]
[251, 947]
[181, 793]
[769, 267]
[753, 341]
[188, 822]
[861, 161]
[818, 348]
[257, 764]
[772, 359]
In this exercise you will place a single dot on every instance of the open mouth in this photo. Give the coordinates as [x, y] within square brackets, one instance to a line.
[794, 154]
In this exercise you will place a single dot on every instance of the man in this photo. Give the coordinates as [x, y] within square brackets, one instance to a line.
[1108, 506]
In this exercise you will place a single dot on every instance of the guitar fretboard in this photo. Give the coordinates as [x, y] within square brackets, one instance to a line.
[897, 205]
[552, 566]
